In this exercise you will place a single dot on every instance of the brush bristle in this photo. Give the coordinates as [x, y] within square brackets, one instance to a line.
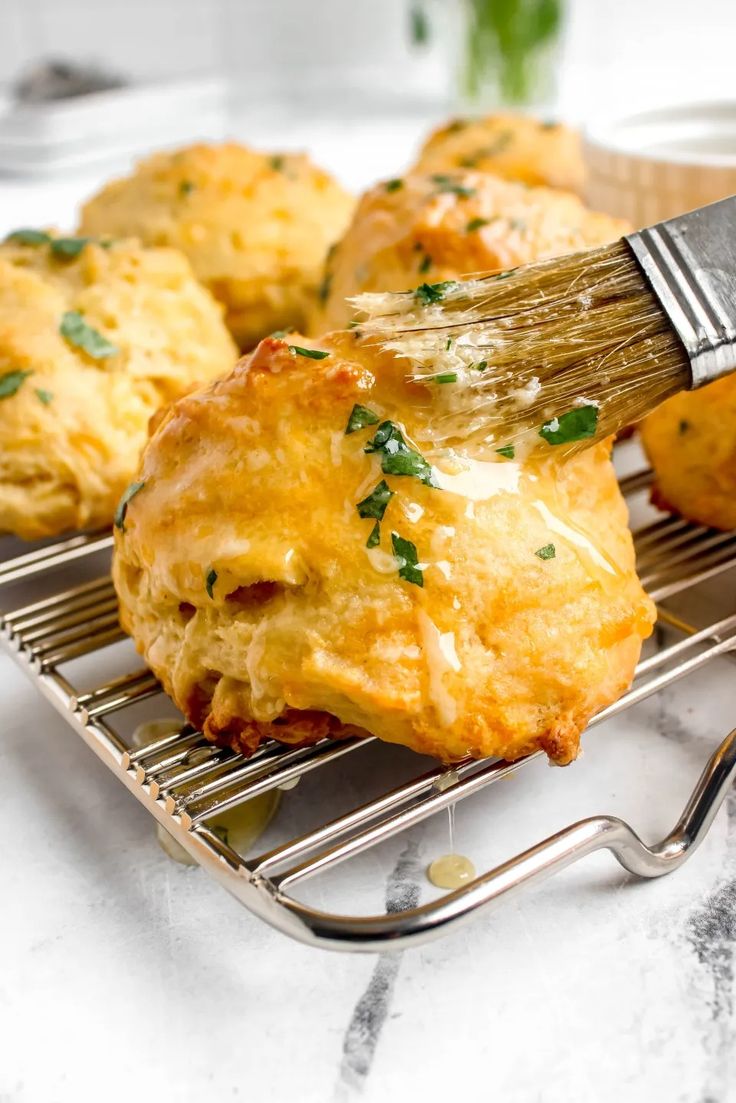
[513, 352]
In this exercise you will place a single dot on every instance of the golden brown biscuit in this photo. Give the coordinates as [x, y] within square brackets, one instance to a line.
[516, 147]
[691, 443]
[93, 340]
[255, 226]
[493, 611]
[437, 227]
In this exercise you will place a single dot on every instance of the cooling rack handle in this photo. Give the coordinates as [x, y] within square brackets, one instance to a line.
[420, 924]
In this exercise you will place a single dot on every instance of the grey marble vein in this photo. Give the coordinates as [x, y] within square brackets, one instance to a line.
[372, 1009]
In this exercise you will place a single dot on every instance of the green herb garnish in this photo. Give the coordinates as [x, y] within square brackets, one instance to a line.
[360, 416]
[448, 346]
[397, 458]
[44, 396]
[476, 224]
[406, 554]
[11, 382]
[428, 293]
[481, 365]
[186, 187]
[547, 552]
[68, 248]
[210, 580]
[29, 237]
[78, 333]
[517, 224]
[375, 537]
[683, 427]
[121, 511]
[375, 504]
[394, 185]
[578, 424]
[448, 184]
[277, 163]
[425, 265]
[311, 354]
[445, 377]
[508, 451]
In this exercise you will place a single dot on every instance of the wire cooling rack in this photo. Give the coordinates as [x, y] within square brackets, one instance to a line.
[186, 782]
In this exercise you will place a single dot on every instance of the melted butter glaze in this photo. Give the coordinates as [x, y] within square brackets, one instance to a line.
[441, 658]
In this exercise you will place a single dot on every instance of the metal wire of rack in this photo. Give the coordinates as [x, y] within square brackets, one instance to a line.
[185, 781]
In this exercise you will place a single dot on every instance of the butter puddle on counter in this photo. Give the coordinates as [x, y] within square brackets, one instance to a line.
[239, 827]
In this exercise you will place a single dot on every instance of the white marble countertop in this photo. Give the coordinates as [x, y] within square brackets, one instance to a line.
[123, 975]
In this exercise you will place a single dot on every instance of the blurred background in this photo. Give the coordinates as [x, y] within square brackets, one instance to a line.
[355, 82]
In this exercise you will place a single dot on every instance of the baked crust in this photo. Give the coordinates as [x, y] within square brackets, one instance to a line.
[691, 443]
[438, 227]
[255, 226]
[517, 147]
[72, 431]
[245, 580]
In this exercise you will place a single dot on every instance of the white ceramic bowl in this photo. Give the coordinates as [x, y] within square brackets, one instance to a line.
[660, 163]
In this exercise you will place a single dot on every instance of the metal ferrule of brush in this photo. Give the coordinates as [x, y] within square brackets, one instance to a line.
[690, 262]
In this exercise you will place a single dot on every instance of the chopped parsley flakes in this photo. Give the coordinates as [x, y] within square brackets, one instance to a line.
[406, 555]
[476, 224]
[44, 396]
[445, 377]
[375, 537]
[449, 184]
[78, 333]
[68, 248]
[29, 237]
[397, 458]
[394, 185]
[186, 187]
[311, 354]
[121, 511]
[577, 424]
[425, 265]
[508, 451]
[360, 416]
[11, 382]
[547, 552]
[375, 504]
[277, 163]
[210, 580]
[428, 293]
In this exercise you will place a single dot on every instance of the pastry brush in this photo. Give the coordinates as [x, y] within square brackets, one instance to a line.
[559, 354]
